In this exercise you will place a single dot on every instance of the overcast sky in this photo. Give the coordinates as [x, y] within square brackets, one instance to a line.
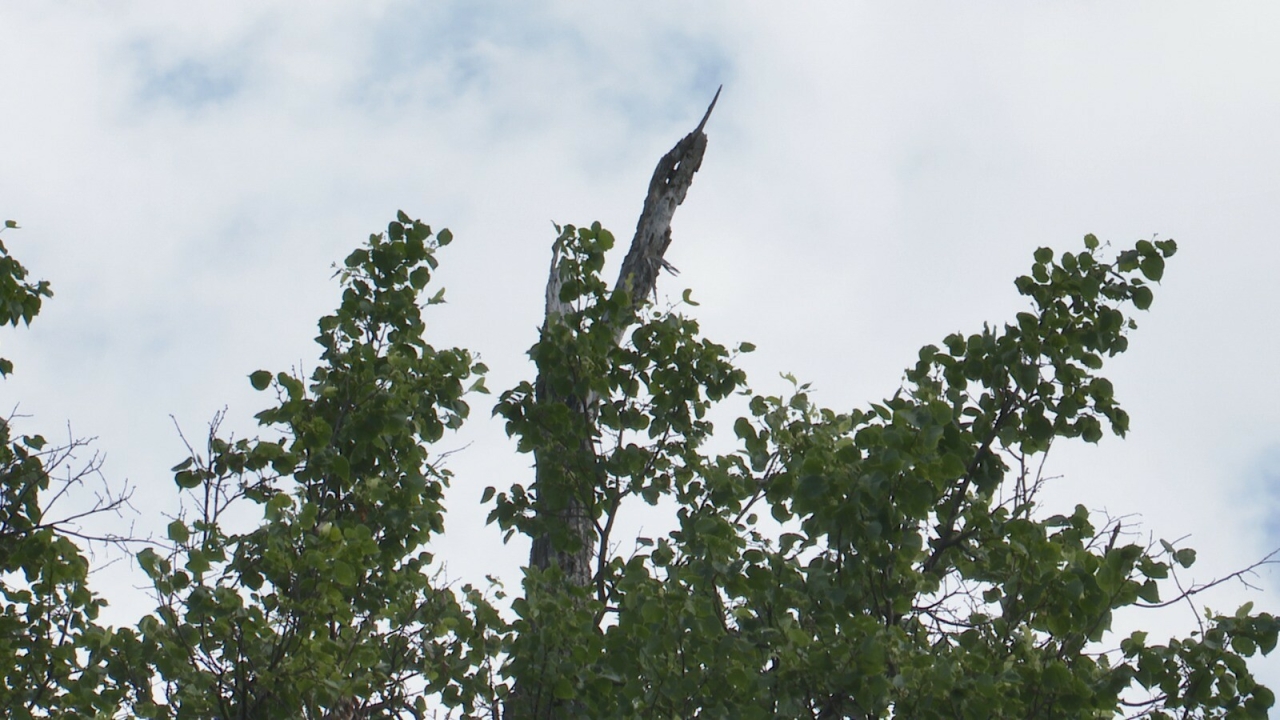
[877, 175]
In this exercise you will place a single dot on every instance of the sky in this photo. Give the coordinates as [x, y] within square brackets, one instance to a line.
[186, 175]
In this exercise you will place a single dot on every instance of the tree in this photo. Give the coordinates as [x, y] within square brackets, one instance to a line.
[54, 657]
[328, 608]
[888, 561]
[913, 576]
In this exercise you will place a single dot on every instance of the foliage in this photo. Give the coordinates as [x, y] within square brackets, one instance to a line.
[888, 561]
[331, 601]
[19, 300]
[912, 575]
[54, 658]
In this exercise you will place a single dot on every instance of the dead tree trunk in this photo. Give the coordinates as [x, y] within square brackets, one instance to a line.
[570, 473]
[638, 277]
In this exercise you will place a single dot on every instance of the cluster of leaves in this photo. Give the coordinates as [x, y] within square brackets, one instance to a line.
[19, 300]
[656, 389]
[330, 602]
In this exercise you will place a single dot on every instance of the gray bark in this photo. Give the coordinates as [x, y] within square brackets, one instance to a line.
[670, 183]
[639, 277]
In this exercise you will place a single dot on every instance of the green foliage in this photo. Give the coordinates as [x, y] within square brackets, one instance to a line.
[19, 300]
[55, 660]
[332, 597]
[656, 390]
[48, 618]
[887, 561]
[911, 575]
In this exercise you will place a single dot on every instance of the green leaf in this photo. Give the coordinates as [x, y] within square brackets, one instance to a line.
[1091, 241]
[1243, 646]
[687, 299]
[1149, 591]
[197, 563]
[563, 689]
[178, 532]
[187, 479]
[1142, 297]
[252, 579]
[952, 466]
[1185, 557]
[260, 379]
[1152, 266]
[1044, 255]
[1127, 261]
[342, 573]
[277, 504]
[149, 561]
[812, 486]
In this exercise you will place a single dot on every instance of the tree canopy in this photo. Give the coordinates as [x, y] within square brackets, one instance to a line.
[890, 560]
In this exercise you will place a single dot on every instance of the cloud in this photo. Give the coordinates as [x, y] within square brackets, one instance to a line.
[190, 83]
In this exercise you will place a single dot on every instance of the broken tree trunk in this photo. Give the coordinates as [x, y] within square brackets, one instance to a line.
[564, 478]
[639, 278]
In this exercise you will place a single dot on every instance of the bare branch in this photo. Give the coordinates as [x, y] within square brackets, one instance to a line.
[667, 189]
[1196, 589]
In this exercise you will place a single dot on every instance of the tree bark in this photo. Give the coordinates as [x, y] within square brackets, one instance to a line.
[638, 277]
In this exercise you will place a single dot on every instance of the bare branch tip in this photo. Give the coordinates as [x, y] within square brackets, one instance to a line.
[710, 107]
